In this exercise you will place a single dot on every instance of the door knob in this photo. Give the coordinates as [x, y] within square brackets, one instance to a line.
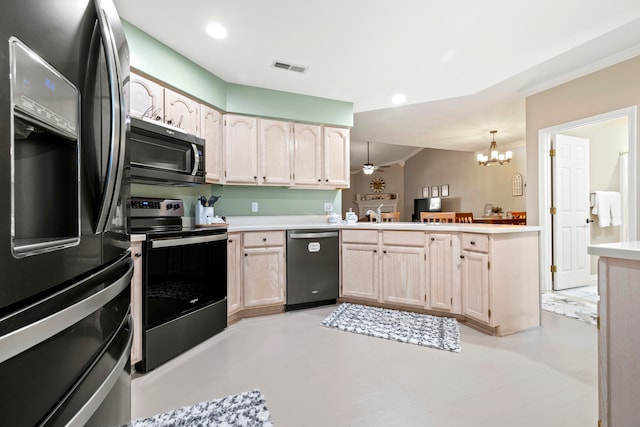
[589, 220]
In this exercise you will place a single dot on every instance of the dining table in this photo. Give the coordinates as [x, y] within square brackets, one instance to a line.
[496, 219]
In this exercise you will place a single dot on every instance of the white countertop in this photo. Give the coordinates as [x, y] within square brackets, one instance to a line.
[320, 222]
[258, 223]
[623, 250]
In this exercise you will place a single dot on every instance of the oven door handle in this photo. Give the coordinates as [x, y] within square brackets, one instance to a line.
[181, 241]
[196, 159]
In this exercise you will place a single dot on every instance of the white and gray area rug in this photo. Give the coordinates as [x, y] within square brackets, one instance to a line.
[578, 303]
[246, 409]
[414, 328]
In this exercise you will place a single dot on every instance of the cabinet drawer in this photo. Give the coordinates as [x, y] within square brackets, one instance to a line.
[403, 238]
[475, 242]
[360, 236]
[263, 238]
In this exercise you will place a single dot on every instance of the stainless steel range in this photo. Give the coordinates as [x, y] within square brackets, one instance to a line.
[184, 280]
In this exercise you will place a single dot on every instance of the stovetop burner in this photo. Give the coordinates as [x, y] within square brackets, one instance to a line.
[158, 217]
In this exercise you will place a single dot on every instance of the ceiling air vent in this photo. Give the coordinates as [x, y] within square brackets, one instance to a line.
[290, 67]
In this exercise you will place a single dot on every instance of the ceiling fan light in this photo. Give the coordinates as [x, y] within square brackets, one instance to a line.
[367, 168]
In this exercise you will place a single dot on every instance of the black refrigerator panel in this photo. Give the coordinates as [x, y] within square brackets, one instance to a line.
[60, 167]
[59, 353]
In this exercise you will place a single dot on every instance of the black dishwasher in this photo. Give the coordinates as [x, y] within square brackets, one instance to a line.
[313, 268]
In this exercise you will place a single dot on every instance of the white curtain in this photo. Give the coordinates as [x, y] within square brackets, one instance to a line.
[624, 191]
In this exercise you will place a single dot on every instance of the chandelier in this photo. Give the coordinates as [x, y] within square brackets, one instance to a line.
[495, 156]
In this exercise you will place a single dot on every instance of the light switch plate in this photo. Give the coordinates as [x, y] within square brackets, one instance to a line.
[254, 206]
[328, 207]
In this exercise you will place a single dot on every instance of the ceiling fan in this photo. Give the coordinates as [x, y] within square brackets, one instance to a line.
[369, 167]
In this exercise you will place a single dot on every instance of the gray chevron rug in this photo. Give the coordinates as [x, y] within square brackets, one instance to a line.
[246, 409]
[422, 329]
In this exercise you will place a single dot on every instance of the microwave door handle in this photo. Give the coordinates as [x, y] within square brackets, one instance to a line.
[196, 159]
[113, 180]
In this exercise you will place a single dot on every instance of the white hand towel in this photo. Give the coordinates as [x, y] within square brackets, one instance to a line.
[616, 208]
[607, 205]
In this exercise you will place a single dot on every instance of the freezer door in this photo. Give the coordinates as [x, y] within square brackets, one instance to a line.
[64, 346]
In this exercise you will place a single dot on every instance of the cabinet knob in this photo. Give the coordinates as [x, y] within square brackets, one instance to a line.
[245, 255]
[472, 242]
[384, 252]
[264, 178]
[375, 251]
[319, 180]
[255, 178]
[461, 256]
[264, 239]
[433, 239]
[230, 240]
[137, 255]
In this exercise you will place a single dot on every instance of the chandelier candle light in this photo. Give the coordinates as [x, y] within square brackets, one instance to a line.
[495, 157]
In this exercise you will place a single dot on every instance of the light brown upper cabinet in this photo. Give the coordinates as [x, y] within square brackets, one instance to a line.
[240, 149]
[275, 152]
[146, 98]
[212, 133]
[154, 101]
[321, 156]
[182, 112]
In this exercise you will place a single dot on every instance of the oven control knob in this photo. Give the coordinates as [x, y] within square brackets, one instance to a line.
[169, 206]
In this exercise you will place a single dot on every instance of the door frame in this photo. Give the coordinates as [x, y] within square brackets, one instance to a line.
[544, 182]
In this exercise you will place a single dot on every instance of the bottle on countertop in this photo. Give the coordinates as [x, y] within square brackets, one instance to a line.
[351, 217]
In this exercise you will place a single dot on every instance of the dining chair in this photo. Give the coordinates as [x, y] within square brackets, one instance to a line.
[465, 217]
[390, 216]
[437, 216]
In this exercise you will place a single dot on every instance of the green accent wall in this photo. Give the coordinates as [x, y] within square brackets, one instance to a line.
[236, 200]
[273, 103]
[165, 64]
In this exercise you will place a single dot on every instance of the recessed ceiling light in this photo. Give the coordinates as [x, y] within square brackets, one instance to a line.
[398, 99]
[217, 31]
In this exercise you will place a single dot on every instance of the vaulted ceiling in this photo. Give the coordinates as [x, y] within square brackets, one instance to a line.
[464, 66]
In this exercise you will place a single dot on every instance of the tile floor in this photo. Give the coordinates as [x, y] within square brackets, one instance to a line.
[316, 376]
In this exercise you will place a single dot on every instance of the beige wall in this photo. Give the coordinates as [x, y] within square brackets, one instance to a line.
[470, 186]
[393, 177]
[606, 90]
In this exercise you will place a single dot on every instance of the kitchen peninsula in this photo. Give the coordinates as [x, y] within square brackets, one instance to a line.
[484, 275]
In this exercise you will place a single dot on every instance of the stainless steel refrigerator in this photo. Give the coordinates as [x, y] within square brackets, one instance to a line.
[65, 266]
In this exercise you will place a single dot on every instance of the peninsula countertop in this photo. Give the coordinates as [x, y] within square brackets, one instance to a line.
[622, 250]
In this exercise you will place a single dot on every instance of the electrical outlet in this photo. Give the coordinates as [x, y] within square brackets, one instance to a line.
[328, 207]
[254, 206]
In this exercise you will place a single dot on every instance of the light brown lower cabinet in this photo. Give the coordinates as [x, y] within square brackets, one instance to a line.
[491, 280]
[234, 276]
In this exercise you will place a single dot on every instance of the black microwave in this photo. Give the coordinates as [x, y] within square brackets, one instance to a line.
[161, 154]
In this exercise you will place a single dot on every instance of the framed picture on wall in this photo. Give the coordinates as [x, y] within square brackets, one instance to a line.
[434, 191]
[444, 190]
[425, 192]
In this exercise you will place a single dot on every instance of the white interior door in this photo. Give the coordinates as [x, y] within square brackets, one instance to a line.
[571, 200]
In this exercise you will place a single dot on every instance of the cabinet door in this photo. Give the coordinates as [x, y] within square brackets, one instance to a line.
[182, 112]
[240, 149]
[307, 154]
[403, 275]
[234, 277]
[212, 134]
[475, 285]
[146, 98]
[136, 302]
[360, 272]
[275, 152]
[440, 272]
[263, 276]
[336, 157]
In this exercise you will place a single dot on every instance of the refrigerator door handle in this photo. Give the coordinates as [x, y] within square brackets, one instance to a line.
[28, 336]
[115, 166]
[94, 402]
